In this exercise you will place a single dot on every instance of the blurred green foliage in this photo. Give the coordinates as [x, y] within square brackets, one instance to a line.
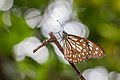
[101, 16]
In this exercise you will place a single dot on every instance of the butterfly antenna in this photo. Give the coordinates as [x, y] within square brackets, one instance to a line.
[61, 24]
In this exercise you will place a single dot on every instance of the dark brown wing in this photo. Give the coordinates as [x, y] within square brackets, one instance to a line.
[78, 49]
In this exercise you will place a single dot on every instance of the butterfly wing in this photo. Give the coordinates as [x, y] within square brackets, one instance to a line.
[78, 49]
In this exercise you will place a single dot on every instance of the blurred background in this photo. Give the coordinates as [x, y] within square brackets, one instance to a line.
[24, 24]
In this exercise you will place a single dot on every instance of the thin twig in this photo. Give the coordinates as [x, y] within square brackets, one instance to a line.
[54, 40]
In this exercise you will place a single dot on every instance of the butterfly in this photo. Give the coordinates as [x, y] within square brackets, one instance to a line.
[78, 49]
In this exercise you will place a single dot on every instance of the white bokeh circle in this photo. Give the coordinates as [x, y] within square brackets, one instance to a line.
[6, 4]
[76, 28]
[6, 18]
[60, 10]
[33, 18]
[98, 73]
[25, 48]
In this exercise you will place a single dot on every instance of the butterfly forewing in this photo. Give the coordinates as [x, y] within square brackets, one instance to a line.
[78, 49]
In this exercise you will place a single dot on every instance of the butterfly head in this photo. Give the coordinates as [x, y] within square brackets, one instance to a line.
[64, 34]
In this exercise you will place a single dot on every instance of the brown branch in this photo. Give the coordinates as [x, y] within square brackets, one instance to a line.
[54, 40]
